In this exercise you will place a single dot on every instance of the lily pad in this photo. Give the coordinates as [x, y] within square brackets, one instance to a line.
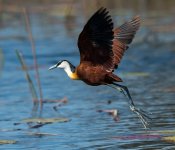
[169, 139]
[7, 142]
[45, 120]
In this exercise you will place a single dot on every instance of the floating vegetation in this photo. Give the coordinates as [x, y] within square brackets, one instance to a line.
[164, 131]
[7, 142]
[41, 134]
[170, 89]
[169, 139]
[45, 120]
[35, 123]
[136, 74]
[60, 103]
[112, 112]
[138, 137]
[64, 100]
[163, 134]
[10, 130]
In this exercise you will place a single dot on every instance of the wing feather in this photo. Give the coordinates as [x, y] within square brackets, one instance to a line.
[95, 41]
[102, 46]
[123, 36]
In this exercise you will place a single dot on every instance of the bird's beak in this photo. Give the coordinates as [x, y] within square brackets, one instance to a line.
[52, 67]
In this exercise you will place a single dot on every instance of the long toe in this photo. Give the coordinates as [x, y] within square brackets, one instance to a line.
[143, 116]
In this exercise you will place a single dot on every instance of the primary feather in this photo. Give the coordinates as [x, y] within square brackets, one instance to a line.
[123, 36]
[101, 45]
[95, 41]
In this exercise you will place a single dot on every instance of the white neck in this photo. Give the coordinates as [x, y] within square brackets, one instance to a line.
[67, 69]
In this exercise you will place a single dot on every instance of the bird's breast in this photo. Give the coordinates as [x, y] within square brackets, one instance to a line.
[74, 76]
[91, 75]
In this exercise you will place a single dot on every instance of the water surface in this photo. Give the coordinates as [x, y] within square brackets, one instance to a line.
[147, 70]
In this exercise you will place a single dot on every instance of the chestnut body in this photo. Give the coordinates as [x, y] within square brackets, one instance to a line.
[95, 75]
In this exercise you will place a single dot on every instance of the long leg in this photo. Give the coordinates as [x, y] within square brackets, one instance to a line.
[141, 114]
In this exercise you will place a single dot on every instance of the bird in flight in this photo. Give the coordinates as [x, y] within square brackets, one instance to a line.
[101, 48]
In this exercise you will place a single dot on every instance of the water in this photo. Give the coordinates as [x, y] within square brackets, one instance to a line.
[151, 57]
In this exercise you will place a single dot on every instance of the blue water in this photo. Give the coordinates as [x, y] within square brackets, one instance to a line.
[56, 39]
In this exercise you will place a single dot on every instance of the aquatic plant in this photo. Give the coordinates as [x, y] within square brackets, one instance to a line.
[30, 36]
[30, 83]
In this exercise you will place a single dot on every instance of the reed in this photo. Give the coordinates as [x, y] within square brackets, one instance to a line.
[30, 36]
[30, 83]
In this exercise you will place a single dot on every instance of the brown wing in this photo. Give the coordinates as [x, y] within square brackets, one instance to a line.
[95, 41]
[123, 36]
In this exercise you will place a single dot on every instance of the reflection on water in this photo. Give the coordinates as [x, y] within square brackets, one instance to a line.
[55, 28]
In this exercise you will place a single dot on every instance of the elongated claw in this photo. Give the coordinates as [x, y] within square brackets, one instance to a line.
[145, 114]
[142, 116]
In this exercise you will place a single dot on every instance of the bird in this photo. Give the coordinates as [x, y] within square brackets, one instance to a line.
[101, 48]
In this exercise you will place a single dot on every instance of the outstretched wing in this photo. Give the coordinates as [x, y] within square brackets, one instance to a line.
[123, 36]
[95, 41]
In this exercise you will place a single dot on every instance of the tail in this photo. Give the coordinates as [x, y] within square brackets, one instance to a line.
[113, 78]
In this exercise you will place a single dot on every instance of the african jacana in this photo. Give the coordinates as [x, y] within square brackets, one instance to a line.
[101, 49]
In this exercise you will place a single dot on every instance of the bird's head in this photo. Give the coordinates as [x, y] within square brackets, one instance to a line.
[68, 68]
[63, 64]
